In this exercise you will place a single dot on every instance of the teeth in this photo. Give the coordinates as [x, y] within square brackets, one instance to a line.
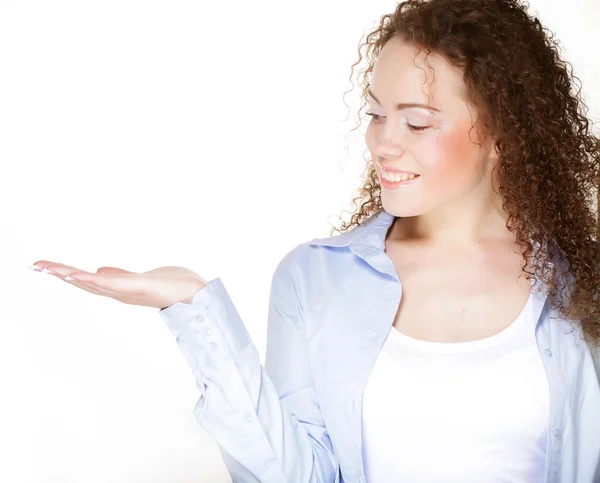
[396, 177]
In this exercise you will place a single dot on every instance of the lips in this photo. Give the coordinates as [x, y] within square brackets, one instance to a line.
[392, 185]
[403, 175]
[393, 169]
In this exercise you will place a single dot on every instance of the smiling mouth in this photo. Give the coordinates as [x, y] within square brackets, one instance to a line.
[395, 177]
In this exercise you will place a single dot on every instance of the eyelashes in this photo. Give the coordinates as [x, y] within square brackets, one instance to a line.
[377, 118]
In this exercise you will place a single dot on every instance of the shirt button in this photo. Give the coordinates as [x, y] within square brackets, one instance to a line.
[548, 353]
[200, 318]
[205, 331]
[556, 433]
[214, 346]
[247, 417]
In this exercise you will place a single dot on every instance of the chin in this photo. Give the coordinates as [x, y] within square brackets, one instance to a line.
[401, 210]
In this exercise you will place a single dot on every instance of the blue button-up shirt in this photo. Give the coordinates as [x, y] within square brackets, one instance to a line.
[331, 306]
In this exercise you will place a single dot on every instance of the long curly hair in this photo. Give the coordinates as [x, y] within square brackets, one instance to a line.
[548, 166]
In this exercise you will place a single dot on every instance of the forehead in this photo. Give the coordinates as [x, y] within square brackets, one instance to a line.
[403, 73]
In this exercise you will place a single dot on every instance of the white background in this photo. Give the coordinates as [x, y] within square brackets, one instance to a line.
[138, 134]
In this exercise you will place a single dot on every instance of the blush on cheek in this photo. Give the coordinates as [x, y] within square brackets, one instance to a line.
[460, 151]
[450, 166]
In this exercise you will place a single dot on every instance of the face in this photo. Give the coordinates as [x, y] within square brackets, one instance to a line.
[435, 143]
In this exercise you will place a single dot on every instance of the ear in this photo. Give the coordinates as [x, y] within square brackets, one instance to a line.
[493, 153]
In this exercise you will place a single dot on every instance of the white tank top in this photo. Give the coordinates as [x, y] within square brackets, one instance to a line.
[467, 412]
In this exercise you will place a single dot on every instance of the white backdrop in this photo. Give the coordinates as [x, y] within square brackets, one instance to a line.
[137, 134]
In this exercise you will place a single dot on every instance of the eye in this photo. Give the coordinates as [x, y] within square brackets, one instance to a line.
[417, 128]
[375, 117]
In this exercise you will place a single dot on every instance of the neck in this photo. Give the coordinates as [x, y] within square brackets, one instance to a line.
[468, 221]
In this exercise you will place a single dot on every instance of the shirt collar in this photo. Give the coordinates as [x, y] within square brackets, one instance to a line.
[366, 239]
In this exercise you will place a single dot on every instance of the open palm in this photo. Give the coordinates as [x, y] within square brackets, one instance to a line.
[160, 288]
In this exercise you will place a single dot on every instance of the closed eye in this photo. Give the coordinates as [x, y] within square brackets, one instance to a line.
[377, 118]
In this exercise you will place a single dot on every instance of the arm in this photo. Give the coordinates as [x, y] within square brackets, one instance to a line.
[266, 421]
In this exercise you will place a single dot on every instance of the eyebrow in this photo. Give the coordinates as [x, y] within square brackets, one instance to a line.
[404, 105]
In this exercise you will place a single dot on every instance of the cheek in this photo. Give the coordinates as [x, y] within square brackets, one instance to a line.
[456, 157]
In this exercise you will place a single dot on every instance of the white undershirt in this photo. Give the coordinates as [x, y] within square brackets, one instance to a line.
[470, 412]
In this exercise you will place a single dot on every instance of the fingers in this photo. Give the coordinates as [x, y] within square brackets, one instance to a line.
[47, 264]
[58, 268]
[62, 271]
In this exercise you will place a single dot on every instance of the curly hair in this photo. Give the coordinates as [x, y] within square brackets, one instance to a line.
[548, 166]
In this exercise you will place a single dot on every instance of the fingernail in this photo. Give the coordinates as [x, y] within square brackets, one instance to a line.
[50, 272]
[69, 279]
[35, 267]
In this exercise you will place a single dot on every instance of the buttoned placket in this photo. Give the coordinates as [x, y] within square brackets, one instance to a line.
[371, 250]
[556, 415]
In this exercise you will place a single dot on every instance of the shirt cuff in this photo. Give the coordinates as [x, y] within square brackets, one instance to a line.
[211, 321]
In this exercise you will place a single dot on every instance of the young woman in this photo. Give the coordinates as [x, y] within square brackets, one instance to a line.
[450, 331]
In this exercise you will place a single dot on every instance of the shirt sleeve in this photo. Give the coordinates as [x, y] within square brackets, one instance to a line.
[266, 420]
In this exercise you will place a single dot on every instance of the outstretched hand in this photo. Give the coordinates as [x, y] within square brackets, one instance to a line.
[159, 288]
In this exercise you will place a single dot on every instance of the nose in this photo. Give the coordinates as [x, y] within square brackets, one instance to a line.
[387, 151]
[388, 144]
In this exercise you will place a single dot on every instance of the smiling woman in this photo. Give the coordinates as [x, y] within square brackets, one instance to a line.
[439, 336]
[485, 172]
[507, 142]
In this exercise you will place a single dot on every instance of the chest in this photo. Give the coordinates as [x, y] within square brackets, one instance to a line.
[457, 296]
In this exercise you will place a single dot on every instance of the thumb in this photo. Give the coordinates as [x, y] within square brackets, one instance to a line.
[111, 270]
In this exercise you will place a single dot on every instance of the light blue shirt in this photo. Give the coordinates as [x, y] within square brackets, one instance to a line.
[331, 306]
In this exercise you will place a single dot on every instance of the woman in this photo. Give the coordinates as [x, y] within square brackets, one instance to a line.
[448, 333]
